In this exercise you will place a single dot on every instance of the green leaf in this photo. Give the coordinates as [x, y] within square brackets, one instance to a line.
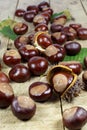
[8, 32]
[79, 57]
[65, 12]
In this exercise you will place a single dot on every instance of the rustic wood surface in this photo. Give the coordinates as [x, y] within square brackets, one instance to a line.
[48, 115]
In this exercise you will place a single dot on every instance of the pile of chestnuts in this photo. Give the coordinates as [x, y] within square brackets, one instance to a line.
[46, 45]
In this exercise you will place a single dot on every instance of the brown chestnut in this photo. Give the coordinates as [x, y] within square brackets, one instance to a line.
[40, 91]
[28, 51]
[33, 8]
[6, 95]
[72, 48]
[19, 12]
[55, 53]
[37, 65]
[82, 33]
[58, 37]
[20, 28]
[41, 27]
[20, 41]
[75, 26]
[11, 57]
[39, 19]
[3, 77]
[43, 5]
[29, 16]
[61, 80]
[56, 27]
[44, 40]
[70, 32]
[48, 10]
[76, 66]
[60, 20]
[74, 118]
[46, 16]
[23, 107]
[19, 73]
[85, 61]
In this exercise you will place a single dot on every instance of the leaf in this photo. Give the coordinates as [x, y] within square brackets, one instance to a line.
[65, 12]
[79, 57]
[8, 32]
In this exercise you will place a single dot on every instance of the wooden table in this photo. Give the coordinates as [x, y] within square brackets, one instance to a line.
[48, 115]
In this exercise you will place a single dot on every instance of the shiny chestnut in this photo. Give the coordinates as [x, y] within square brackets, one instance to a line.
[75, 26]
[43, 5]
[41, 27]
[29, 16]
[56, 27]
[19, 12]
[33, 8]
[46, 16]
[72, 48]
[44, 40]
[60, 20]
[70, 32]
[11, 57]
[6, 95]
[82, 33]
[38, 65]
[58, 37]
[38, 19]
[20, 28]
[3, 77]
[23, 107]
[19, 73]
[40, 91]
[28, 51]
[20, 41]
[76, 66]
[48, 10]
[74, 118]
[55, 53]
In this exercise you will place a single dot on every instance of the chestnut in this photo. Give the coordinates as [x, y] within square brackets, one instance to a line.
[61, 80]
[75, 26]
[72, 48]
[48, 10]
[20, 28]
[33, 8]
[6, 95]
[55, 53]
[23, 107]
[56, 27]
[19, 73]
[40, 91]
[20, 41]
[46, 16]
[85, 61]
[39, 19]
[37, 65]
[31, 37]
[19, 12]
[76, 66]
[58, 37]
[3, 77]
[28, 51]
[43, 5]
[44, 40]
[60, 20]
[82, 33]
[41, 27]
[74, 118]
[84, 79]
[70, 32]
[29, 16]
[11, 57]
